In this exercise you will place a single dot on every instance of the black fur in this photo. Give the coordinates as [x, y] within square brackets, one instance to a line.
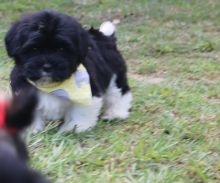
[48, 43]
[49, 46]
[13, 152]
[111, 58]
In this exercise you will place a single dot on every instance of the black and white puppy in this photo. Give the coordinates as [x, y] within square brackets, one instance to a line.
[15, 116]
[48, 46]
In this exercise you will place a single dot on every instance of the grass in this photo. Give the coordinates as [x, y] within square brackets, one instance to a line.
[172, 48]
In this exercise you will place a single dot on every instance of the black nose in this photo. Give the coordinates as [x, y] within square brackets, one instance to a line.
[47, 68]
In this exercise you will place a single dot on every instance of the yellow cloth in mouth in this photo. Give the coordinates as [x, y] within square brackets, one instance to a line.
[76, 88]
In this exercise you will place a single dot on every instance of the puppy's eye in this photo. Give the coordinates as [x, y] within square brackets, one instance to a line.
[34, 49]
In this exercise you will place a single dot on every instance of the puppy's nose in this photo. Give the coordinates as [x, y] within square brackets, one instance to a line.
[47, 68]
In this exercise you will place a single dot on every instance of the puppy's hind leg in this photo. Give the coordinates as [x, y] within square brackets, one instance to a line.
[82, 117]
[116, 103]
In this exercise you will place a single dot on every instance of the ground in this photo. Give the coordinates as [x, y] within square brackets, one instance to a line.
[172, 48]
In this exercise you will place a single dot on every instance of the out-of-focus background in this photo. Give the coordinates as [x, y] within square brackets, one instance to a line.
[172, 48]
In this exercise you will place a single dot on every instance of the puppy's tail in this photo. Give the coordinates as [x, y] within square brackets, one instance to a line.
[107, 28]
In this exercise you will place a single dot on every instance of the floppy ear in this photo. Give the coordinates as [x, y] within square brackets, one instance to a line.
[12, 40]
[21, 110]
[83, 44]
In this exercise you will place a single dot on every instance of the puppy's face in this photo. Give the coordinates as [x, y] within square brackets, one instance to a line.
[48, 46]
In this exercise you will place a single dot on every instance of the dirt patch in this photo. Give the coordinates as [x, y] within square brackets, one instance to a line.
[155, 80]
[147, 79]
[213, 100]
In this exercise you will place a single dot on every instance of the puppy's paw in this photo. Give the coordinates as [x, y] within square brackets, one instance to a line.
[37, 127]
[36, 130]
[107, 117]
[83, 127]
[67, 127]
[76, 127]
[110, 115]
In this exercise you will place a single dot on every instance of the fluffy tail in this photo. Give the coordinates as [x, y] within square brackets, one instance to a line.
[107, 28]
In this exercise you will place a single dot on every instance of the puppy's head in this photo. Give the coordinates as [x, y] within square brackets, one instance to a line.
[15, 115]
[47, 45]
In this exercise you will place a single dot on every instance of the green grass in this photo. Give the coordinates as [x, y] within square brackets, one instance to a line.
[172, 48]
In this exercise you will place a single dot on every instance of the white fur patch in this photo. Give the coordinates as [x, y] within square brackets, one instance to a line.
[82, 117]
[76, 116]
[107, 28]
[49, 107]
[116, 105]
[52, 107]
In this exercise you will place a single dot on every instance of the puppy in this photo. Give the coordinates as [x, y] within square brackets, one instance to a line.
[48, 47]
[14, 117]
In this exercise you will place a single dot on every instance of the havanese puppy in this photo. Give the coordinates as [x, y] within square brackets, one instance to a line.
[16, 115]
[78, 74]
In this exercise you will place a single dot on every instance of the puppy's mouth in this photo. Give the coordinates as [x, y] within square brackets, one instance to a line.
[42, 81]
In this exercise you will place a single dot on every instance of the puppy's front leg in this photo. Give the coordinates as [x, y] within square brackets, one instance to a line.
[38, 123]
[82, 117]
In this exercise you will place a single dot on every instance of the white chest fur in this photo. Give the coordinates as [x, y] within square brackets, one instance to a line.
[78, 116]
[51, 107]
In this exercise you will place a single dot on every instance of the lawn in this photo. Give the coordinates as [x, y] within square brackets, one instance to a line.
[172, 48]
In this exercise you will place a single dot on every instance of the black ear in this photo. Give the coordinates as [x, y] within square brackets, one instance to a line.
[12, 40]
[21, 110]
[84, 43]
